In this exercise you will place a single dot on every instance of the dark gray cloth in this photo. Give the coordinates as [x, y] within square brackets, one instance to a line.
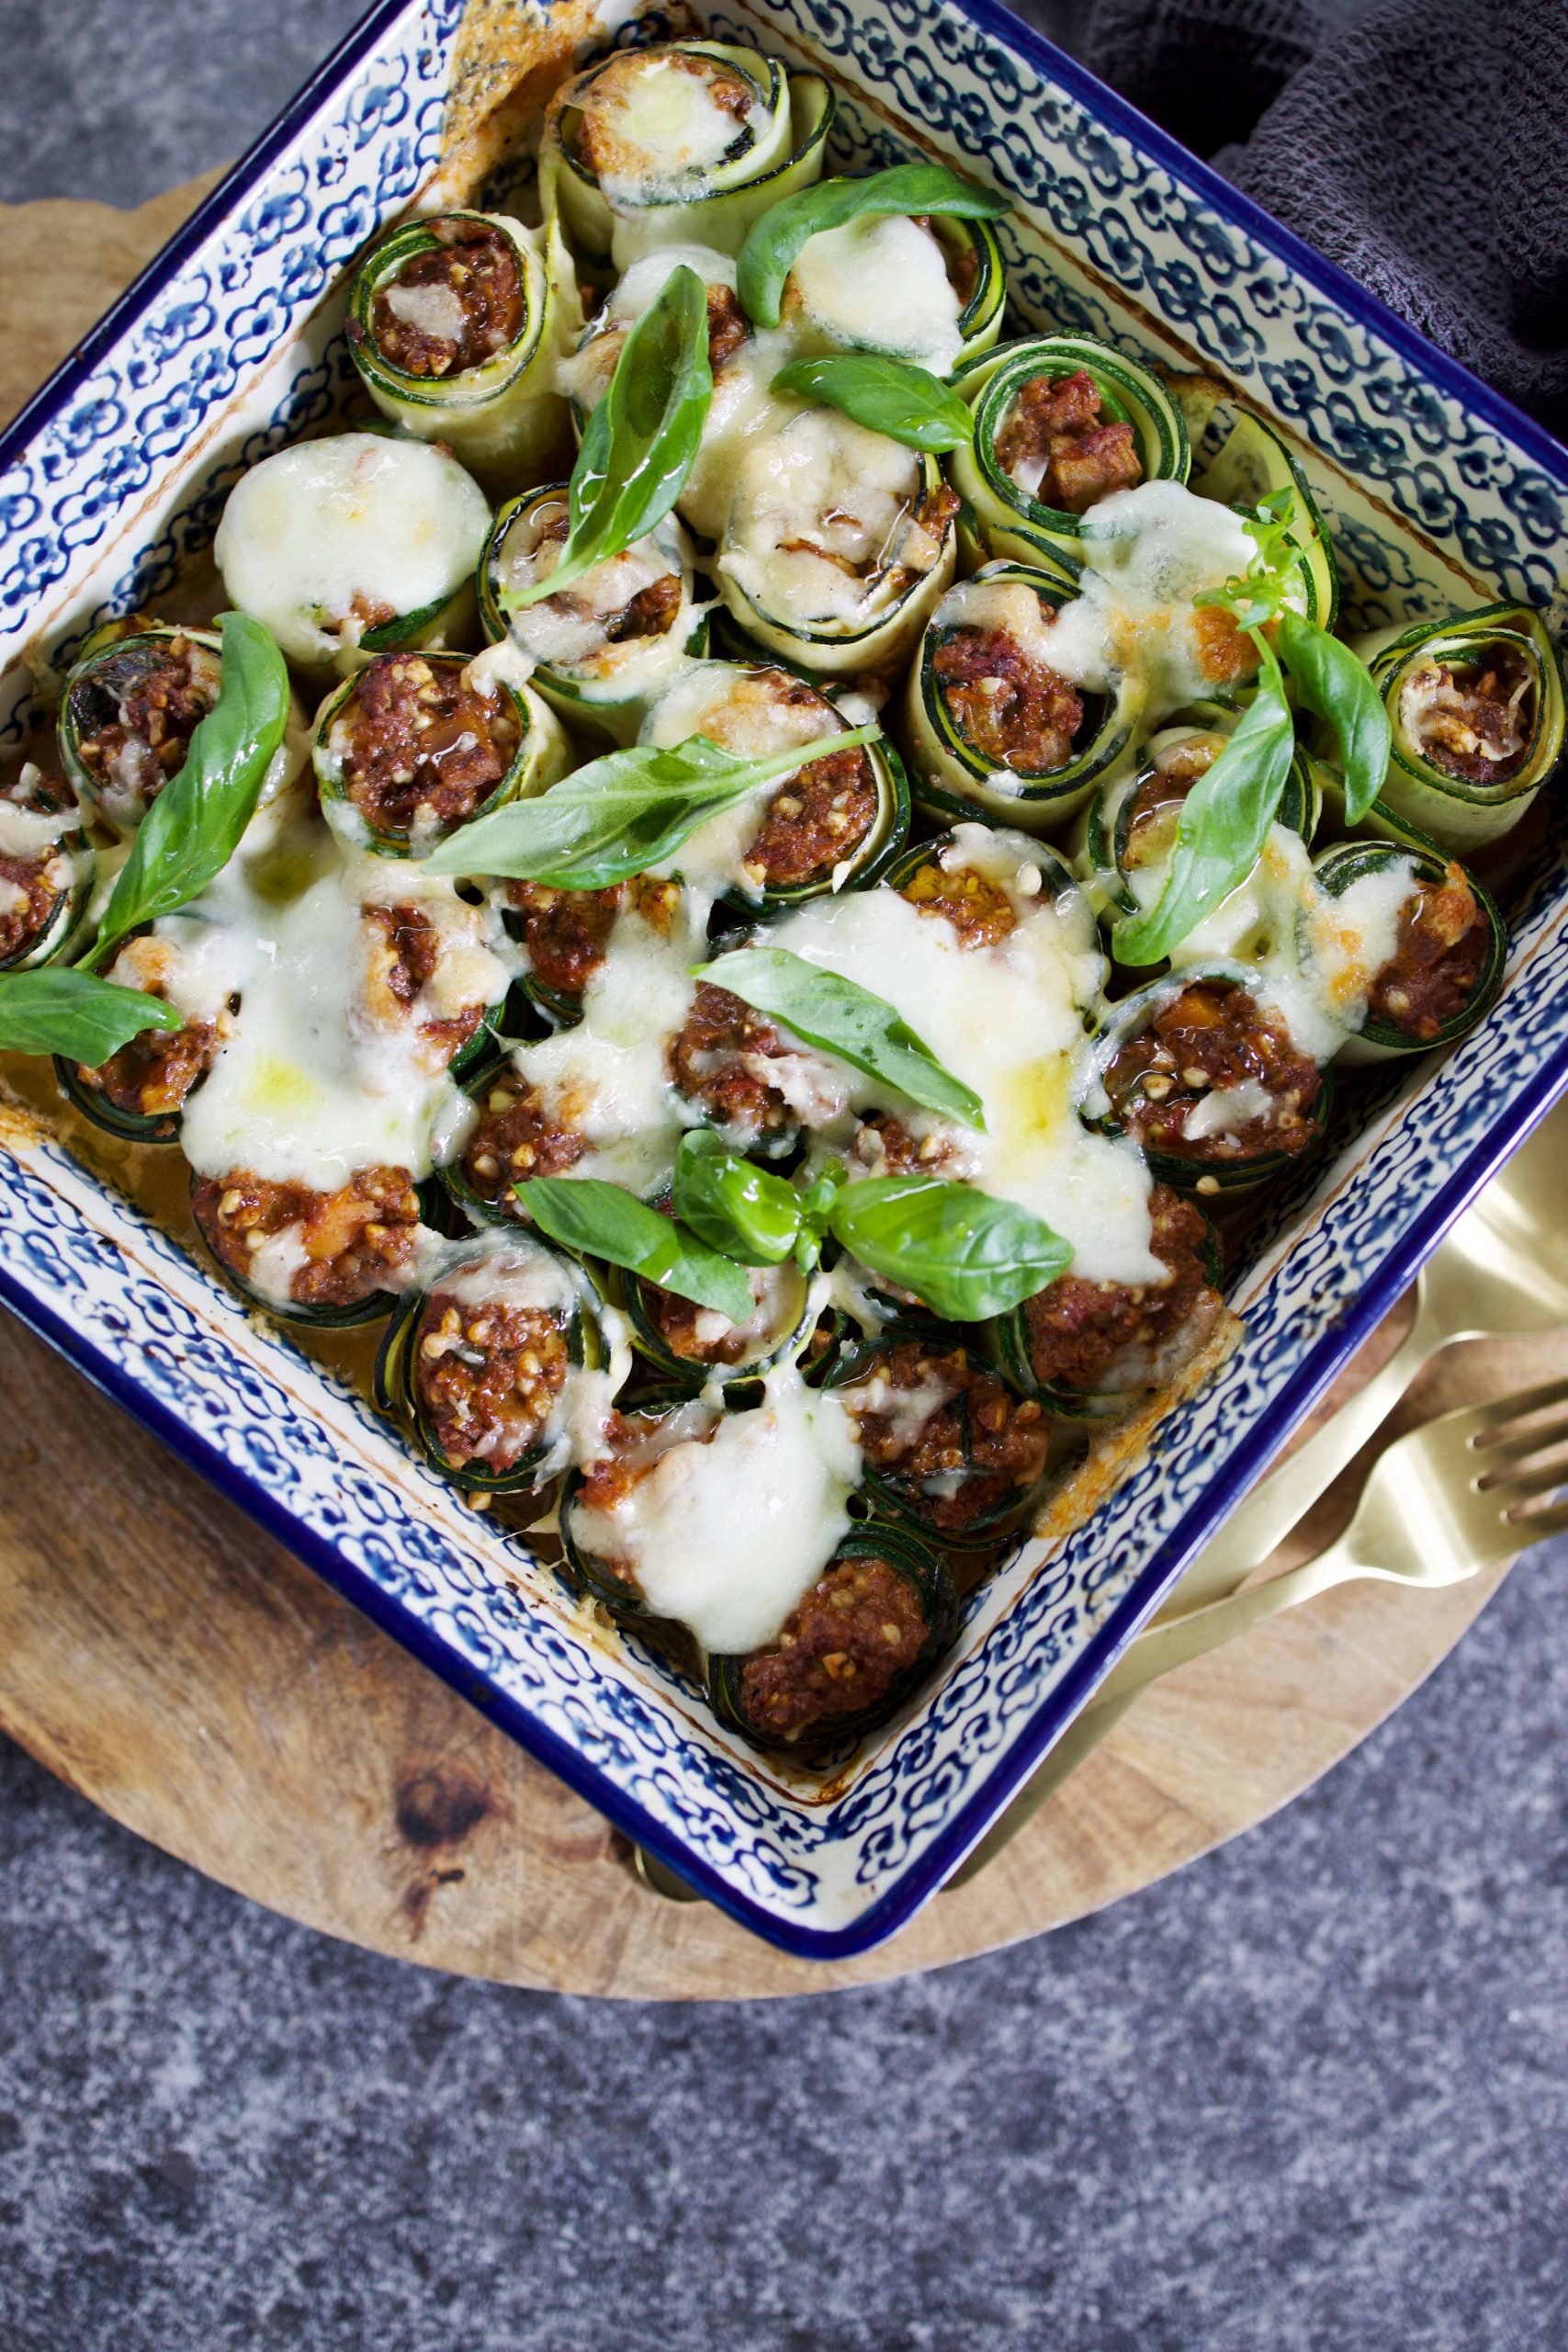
[1420, 143]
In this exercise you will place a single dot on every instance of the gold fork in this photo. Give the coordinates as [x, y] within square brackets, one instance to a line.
[1442, 1503]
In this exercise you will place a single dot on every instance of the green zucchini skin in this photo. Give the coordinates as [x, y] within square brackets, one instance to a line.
[118, 647]
[954, 781]
[1003, 521]
[64, 926]
[373, 1308]
[631, 1295]
[542, 757]
[1378, 1041]
[896, 1499]
[504, 417]
[1206, 1179]
[396, 1390]
[919, 1567]
[1239, 459]
[128, 1127]
[1458, 815]
[1008, 1340]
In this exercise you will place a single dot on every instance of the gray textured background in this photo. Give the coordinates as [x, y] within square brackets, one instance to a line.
[1307, 2097]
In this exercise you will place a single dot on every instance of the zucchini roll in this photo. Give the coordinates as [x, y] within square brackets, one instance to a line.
[694, 1345]
[132, 702]
[1409, 948]
[1208, 1081]
[1476, 707]
[688, 143]
[837, 821]
[353, 546]
[330, 1258]
[455, 327]
[489, 1362]
[994, 730]
[140, 1093]
[1060, 421]
[838, 546]
[1239, 460]
[563, 935]
[950, 1450]
[605, 645]
[926, 290]
[46, 871]
[416, 745]
[850, 1652]
[1090, 1348]
[1123, 843]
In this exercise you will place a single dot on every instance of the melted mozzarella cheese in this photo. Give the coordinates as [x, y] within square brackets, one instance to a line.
[570, 633]
[878, 284]
[727, 1536]
[585, 376]
[1008, 1021]
[1351, 937]
[654, 122]
[28, 832]
[606, 1077]
[744, 409]
[822, 511]
[318, 536]
[433, 311]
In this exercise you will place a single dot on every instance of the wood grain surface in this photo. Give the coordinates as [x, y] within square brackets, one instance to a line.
[184, 1672]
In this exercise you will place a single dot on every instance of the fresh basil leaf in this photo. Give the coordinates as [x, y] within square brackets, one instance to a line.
[641, 438]
[890, 396]
[602, 1221]
[1225, 823]
[732, 1204]
[966, 1254]
[1257, 597]
[842, 1018]
[768, 254]
[60, 1010]
[623, 813]
[1339, 688]
[194, 827]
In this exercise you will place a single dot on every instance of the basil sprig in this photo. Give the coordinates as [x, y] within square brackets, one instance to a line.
[1226, 816]
[623, 813]
[768, 256]
[600, 1220]
[641, 439]
[842, 1018]
[889, 396]
[59, 1010]
[194, 827]
[966, 1254]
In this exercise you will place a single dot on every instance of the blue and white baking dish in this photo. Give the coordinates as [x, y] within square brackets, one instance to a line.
[1439, 497]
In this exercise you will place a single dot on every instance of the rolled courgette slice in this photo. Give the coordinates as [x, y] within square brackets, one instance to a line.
[828, 828]
[1475, 704]
[1001, 474]
[655, 1414]
[483, 1364]
[1014, 743]
[355, 545]
[601, 650]
[456, 324]
[839, 544]
[966, 1506]
[211, 1206]
[127, 1124]
[1130, 824]
[1450, 947]
[47, 866]
[1240, 460]
[883, 1609]
[928, 291]
[689, 142]
[1152, 1037]
[692, 1346]
[411, 749]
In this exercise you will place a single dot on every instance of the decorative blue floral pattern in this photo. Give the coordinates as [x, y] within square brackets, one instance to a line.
[236, 349]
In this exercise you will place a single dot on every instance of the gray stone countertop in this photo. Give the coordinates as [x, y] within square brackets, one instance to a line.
[1308, 2096]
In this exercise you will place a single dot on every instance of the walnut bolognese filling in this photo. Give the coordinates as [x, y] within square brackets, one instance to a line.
[1443, 944]
[846, 1644]
[487, 1377]
[414, 748]
[1059, 446]
[128, 716]
[324, 1251]
[944, 1439]
[1212, 1079]
[1090, 1336]
[1474, 720]
[453, 305]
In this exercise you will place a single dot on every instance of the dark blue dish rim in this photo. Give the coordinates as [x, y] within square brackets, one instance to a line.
[888, 1912]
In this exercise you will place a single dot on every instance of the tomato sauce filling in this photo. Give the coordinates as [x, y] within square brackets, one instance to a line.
[957, 1445]
[1210, 1038]
[339, 1248]
[1012, 708]
[452, 307]
[698, 1335]
[419, 746]
[718, 1060]
[1475, 724]
[728, 327]
[151, 1076]
[1444, 942]
[134, 711]
[1078, 1329]
[841, 1649]
[517, 1138]
[1060, 448]
[487, 1378]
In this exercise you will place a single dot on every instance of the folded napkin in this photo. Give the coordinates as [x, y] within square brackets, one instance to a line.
[1419, 143]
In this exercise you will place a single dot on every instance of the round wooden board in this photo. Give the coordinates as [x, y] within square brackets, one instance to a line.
[181, 1671]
